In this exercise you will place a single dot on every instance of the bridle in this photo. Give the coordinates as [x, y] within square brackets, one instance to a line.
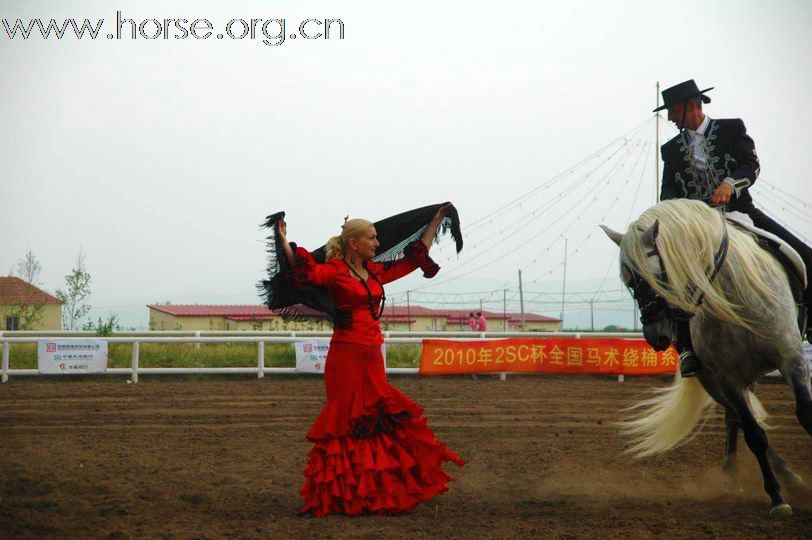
[653, 307]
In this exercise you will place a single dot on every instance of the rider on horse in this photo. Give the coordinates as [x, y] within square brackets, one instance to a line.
[714, 161]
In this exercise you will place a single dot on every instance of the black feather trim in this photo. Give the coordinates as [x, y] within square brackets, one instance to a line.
[301, 302]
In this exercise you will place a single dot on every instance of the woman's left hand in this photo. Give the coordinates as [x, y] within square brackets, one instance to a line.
[432, 227]
[441, 213]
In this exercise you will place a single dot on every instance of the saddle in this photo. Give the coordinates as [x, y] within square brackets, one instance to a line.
[785, 254]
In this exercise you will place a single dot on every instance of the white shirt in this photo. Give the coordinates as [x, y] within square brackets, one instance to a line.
[697, 139]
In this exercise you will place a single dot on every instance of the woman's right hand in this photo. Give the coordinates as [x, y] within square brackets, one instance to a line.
[282, 234]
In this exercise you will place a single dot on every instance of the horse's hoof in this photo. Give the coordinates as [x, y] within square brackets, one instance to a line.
[781, 511]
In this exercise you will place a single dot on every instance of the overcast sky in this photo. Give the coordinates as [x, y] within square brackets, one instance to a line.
[159, 158]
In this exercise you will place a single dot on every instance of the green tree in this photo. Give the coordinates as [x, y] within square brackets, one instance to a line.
[75, 294]
[103, 328]
[28, 313]
[614, 328]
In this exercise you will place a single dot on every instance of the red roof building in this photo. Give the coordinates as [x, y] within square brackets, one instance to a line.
[395, 318]
[14, 290]
[24, 306]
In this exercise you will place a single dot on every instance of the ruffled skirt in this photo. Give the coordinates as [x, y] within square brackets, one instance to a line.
[373, 451]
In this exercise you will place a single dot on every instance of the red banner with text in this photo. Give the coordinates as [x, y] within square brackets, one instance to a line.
[592, 356]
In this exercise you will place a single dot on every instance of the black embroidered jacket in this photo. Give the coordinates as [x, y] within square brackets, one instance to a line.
[730, 153]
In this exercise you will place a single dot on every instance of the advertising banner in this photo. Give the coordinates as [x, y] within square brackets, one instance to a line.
[311, 355]
[546, 355]
[72, 356]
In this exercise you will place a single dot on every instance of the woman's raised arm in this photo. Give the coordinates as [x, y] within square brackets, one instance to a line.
[434, 224]
[282, 234]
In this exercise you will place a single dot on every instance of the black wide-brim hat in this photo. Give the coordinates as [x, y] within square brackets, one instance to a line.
[682, 92]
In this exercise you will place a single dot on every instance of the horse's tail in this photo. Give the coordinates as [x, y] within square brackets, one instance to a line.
[672, 417]
[758, 410]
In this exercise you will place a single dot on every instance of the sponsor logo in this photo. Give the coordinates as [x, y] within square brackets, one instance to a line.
[50, 347]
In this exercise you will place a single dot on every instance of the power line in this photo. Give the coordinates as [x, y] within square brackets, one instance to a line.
[543, 230]
[791, 196]
[524, 196]
[577, 218]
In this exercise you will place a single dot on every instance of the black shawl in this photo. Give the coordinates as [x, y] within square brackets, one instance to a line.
[394, 234]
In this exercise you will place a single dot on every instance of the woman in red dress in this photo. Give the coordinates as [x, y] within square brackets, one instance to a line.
[373, 451]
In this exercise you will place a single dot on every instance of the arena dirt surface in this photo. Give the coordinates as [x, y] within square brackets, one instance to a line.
[223, 459]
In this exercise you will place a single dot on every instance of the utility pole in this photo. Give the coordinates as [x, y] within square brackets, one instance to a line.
[504, 310]
[592, 312]
[564, 285]
[408, 311]
[657, 149]
[521, 300]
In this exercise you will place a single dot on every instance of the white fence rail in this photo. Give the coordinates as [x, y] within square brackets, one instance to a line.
[260, 338]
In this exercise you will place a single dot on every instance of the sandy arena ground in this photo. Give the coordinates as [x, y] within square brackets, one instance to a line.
[223, 459]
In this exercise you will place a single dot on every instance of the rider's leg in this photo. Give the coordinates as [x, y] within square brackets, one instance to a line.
[762, 221]
[689, 364]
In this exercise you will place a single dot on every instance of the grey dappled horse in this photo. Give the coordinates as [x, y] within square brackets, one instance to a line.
[681, 255]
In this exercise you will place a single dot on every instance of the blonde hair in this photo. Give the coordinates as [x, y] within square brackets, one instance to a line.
[690, 232]
[353, 228]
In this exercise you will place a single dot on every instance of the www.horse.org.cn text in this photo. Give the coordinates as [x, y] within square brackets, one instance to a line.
[272, 32]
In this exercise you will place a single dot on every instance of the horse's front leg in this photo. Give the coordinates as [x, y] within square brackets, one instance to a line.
[756, 440]
[730, 466]
[796, 487]
[796, 374]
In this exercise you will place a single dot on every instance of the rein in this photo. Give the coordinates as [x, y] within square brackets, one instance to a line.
[718, 260]
[653, 307]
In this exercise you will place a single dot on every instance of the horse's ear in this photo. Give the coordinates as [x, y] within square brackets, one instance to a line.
[614, 235]
[650, 236]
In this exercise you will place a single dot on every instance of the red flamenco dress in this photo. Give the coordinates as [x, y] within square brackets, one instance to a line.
[373, 451]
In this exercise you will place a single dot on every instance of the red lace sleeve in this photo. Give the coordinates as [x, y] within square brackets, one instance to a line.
[391, 270]
[419, 253]
[416, 256]
[307, 271]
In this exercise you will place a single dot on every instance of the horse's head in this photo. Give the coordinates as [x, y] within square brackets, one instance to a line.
[654, 312]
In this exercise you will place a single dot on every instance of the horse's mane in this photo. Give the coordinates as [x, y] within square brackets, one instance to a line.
[690, 233]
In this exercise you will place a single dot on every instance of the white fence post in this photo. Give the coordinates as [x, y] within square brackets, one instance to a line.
[197, 344]
[134, 365]
[5, 361]
[385, 349]
[260, 359]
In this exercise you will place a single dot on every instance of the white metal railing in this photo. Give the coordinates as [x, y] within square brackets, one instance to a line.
[309, 333]
[261, 338]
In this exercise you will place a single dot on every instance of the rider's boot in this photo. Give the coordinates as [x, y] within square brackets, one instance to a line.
[689, 364]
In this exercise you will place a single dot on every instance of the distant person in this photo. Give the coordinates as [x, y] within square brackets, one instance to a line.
[481, 323]
[473, 322]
